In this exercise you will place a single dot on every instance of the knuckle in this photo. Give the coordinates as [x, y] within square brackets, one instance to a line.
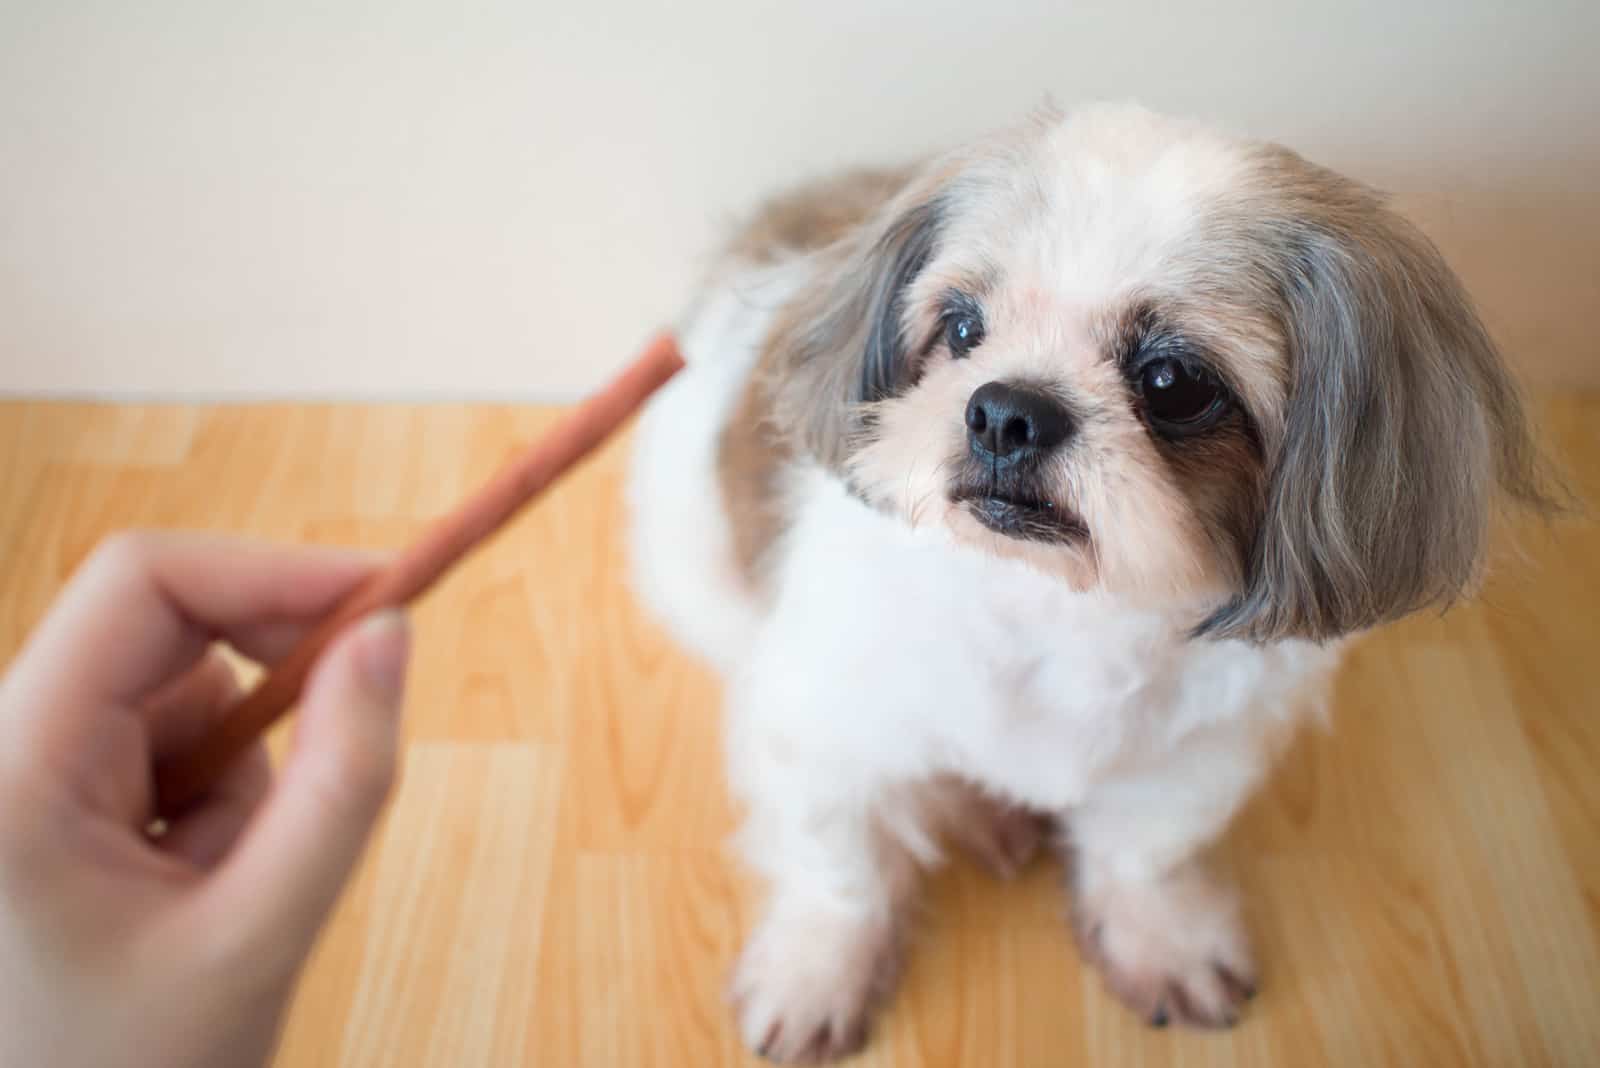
[245, 959]
[126, 552]
[355, 782]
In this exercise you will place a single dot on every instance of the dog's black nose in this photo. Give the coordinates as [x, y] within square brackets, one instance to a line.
[1013, 422]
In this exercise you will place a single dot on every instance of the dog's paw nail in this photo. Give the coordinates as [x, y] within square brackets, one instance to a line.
[1238, 987]
[773, 1034]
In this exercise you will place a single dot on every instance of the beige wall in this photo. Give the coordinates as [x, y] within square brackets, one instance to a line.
[455, 199]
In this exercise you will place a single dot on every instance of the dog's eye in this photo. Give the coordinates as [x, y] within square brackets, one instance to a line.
[1180, 399]
[962, 333]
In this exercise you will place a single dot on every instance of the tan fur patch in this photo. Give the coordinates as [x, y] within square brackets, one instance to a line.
[814, 215]
[751, 455]
[750, 459]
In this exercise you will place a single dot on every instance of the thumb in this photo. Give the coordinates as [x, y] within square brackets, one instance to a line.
[287, 872]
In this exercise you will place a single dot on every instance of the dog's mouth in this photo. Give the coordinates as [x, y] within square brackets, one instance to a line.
[1022, 516]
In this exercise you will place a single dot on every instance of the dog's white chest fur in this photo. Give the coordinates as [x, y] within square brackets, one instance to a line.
[938, 658]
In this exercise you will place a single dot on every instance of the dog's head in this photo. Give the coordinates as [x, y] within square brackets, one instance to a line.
[1169, 364]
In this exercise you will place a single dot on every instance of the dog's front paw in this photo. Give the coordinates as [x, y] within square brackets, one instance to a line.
[806, 986]
[1174, 950]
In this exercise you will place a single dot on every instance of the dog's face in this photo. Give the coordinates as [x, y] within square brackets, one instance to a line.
[1174, 366]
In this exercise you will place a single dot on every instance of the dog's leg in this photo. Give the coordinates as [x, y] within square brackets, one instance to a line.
[827, 950]
[1165, 932]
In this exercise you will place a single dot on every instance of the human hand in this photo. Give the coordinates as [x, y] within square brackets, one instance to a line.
[119, 947]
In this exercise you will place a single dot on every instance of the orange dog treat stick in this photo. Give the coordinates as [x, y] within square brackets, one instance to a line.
[182, 780]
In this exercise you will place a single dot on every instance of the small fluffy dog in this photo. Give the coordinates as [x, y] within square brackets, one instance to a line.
[1035, 488]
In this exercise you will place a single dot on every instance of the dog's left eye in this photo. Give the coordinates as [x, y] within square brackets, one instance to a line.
[962, 333]
[1180, 399]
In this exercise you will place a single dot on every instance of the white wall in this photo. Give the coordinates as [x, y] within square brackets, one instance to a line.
[402, 198]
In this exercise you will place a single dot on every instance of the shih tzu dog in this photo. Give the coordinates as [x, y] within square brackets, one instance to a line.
[1028, 494]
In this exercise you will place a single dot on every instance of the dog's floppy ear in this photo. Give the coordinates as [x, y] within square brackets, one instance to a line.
[1401, 422]
[841, 344]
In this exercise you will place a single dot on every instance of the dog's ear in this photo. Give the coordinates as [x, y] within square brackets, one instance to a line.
[841, 345]
[1401, 422]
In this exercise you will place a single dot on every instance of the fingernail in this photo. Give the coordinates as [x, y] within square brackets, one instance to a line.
[385, 646]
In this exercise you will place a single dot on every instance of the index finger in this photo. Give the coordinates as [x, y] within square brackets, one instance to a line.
[145, 606]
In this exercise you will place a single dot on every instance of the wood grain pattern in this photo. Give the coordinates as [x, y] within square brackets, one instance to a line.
[549, 886]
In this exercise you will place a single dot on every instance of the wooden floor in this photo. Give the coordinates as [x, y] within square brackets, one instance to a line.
[550, 886]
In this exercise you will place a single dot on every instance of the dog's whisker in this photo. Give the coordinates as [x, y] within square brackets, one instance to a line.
[914, 511]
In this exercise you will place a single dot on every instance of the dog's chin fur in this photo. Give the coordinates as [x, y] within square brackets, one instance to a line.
[1115, 638]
